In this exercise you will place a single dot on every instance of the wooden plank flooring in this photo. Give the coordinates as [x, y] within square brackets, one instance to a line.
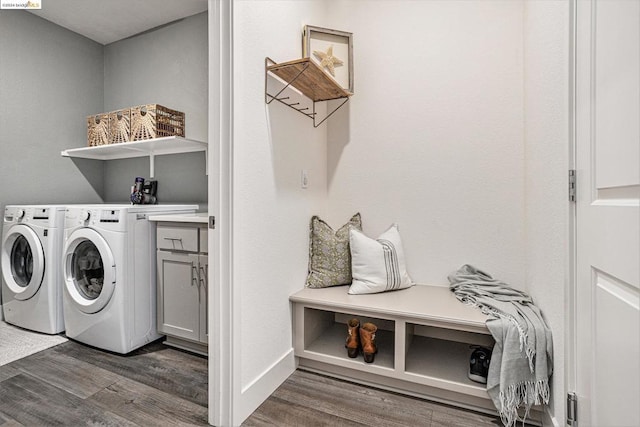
[77, 385]
[308, 399]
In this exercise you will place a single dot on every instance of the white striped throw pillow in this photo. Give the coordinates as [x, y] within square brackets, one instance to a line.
[377, 265]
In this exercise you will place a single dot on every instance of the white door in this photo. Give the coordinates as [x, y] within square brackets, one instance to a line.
[608, 214]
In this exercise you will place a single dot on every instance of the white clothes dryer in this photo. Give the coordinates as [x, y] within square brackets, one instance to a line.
[110, 274]
[32, 238]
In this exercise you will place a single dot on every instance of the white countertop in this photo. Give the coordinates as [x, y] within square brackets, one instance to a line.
[198, 217]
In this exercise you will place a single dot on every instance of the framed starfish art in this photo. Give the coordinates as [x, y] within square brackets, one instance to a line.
[332, 50]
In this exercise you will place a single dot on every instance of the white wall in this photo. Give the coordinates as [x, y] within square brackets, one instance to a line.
[270, 211]
[457, 131]
[434, 138]
[546, 41]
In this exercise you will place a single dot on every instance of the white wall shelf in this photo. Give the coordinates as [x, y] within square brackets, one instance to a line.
[146, 148]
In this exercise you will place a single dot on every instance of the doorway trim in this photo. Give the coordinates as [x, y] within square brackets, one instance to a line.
[222, 372]
[571, 268]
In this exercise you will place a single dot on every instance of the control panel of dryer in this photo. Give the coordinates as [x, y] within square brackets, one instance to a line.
[27, 214]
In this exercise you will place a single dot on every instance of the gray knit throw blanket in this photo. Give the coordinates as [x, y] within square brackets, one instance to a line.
[522, 358]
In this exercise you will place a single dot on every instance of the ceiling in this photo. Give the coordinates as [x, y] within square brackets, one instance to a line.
[107, 21]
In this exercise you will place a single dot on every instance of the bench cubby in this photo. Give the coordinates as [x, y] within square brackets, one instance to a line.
[325, 335]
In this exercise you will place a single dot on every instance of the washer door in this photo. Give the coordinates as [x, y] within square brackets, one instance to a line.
[89, 270]
[22, 261]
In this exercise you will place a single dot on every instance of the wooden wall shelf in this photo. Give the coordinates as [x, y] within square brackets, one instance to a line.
[309, 79]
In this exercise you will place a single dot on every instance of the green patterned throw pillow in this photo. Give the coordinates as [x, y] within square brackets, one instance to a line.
[329, 254]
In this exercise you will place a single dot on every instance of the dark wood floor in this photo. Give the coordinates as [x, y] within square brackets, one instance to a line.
[308, 399]
[74, 385]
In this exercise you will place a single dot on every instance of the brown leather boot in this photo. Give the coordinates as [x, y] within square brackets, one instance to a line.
[353, 339]
[368, 341]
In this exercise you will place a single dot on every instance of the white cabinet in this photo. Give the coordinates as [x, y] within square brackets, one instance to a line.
[182, 264]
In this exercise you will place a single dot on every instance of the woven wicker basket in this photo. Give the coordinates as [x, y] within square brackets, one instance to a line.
[98, 129]
[120, 126]
[155, 121]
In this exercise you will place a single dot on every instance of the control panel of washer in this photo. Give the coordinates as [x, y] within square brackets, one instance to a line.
[109, 215]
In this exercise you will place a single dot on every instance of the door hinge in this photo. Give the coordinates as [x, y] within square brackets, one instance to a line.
[572, 409]
[212, 222]
[572, 185]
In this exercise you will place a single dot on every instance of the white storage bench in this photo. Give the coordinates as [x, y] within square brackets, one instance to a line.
[424, 338]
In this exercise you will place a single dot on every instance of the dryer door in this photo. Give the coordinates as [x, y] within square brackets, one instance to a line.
[89, 270]
[22, 261]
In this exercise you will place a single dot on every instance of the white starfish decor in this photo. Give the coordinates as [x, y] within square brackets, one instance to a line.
[327, 60]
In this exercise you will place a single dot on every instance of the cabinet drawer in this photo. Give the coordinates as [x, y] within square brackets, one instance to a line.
[178, 238]
[204, 240]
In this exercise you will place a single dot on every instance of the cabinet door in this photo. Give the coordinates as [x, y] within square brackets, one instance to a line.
[204, 283]
[204, 239]
[178, 295]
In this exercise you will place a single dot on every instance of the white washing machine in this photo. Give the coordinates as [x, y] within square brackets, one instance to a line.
[32, 238]
[110, 274]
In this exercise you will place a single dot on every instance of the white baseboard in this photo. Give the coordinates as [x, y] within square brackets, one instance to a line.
[548, 418]
[256, 392]
[261, 388]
